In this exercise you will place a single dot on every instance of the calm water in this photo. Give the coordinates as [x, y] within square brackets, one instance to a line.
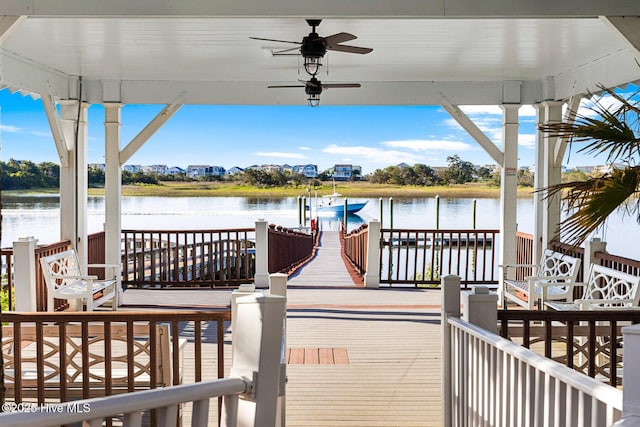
[39, 216]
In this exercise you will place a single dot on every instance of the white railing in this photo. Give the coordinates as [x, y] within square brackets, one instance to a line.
[256, 374]
[491, 381]
[496, 382]
[166, 400]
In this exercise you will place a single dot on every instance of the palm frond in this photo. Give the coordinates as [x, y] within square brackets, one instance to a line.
[592, 201]
[608, 132]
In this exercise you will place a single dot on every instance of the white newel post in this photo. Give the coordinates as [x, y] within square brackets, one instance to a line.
[278, 286]
[257, 350]
[480, 307]
[590, 248]
[631, 378]
[450, 308]
[24, 265]
[261, 278]
[372, 275]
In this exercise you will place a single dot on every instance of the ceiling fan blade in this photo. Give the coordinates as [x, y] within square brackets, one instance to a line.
[274, 40]
[279, 86]
[337, 38]
[338, 85]
[285, 51]
[350, 49]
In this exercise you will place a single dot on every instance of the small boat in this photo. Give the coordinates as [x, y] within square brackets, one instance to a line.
[332, 204]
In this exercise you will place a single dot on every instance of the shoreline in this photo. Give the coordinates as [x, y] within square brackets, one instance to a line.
[346, 189]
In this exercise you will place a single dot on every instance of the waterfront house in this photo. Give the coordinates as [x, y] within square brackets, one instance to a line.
[175, 170]
[310, 171]
[234, 170]
[522, 53]
[132, 168]
[345, 172]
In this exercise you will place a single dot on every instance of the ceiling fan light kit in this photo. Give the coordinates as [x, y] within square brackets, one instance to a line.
[313, 48]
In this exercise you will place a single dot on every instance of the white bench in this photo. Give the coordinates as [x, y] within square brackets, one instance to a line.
[605, 289]
[553, 279]
[65, 280]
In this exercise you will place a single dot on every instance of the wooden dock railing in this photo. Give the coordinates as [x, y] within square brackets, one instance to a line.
[354, 247]
[422, 257]
[288, 248]
[188, 258]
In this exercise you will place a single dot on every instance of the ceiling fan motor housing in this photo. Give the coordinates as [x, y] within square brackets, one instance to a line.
[313, 46]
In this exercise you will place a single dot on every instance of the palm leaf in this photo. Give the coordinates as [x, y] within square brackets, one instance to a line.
[591, 202]
[608, 132]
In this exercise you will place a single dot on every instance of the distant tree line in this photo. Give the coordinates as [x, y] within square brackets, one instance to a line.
[22, 175]
[458, 171]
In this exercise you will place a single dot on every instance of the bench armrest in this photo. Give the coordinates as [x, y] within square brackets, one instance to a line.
[105, 265]
[88, 277]
[563, 279]
[595, 304]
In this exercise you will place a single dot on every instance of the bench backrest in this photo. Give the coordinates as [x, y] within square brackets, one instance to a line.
[73, 346]
[556, 264]
[608, 284]
[61, 264]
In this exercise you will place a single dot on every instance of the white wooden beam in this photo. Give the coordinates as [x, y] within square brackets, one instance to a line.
[569, 117]
[56, 129]
[8, 24]
[146, 133]
[325, 8]
[627, 28]
[467, 124]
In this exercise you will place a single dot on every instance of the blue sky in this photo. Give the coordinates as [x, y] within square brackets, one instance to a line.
[373, 137]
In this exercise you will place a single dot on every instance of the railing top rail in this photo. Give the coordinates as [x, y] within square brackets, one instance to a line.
[439, 230]
[616, 258]
[605, 393]
[217, 230]
[101, 408]
[570, 316]
[100, 316]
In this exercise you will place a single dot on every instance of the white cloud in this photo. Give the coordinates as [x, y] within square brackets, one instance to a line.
[527, 140]
[429, 145]
[373, 155]
[281, 155]
[9, 128]
[304, 148]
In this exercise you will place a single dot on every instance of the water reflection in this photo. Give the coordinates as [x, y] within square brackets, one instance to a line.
[39, 215]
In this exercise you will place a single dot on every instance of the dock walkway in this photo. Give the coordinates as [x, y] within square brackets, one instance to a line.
[357, 356]
[326, 268]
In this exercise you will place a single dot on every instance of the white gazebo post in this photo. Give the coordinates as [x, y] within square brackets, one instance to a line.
[24, 266]
[538, 182]
[74, 177]
[509, 184]
[113, 186]
[552, 174]
[372, 274]
[261, 278]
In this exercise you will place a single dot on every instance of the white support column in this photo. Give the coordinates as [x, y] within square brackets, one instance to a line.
[256, 356]
[261, 278]
[552, 174]
[74, 178]
[538, 183]
[372, 274]
[24, 267]
[509, 184]
[113, 185]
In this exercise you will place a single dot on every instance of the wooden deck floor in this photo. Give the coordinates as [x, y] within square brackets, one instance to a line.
[390, 337]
